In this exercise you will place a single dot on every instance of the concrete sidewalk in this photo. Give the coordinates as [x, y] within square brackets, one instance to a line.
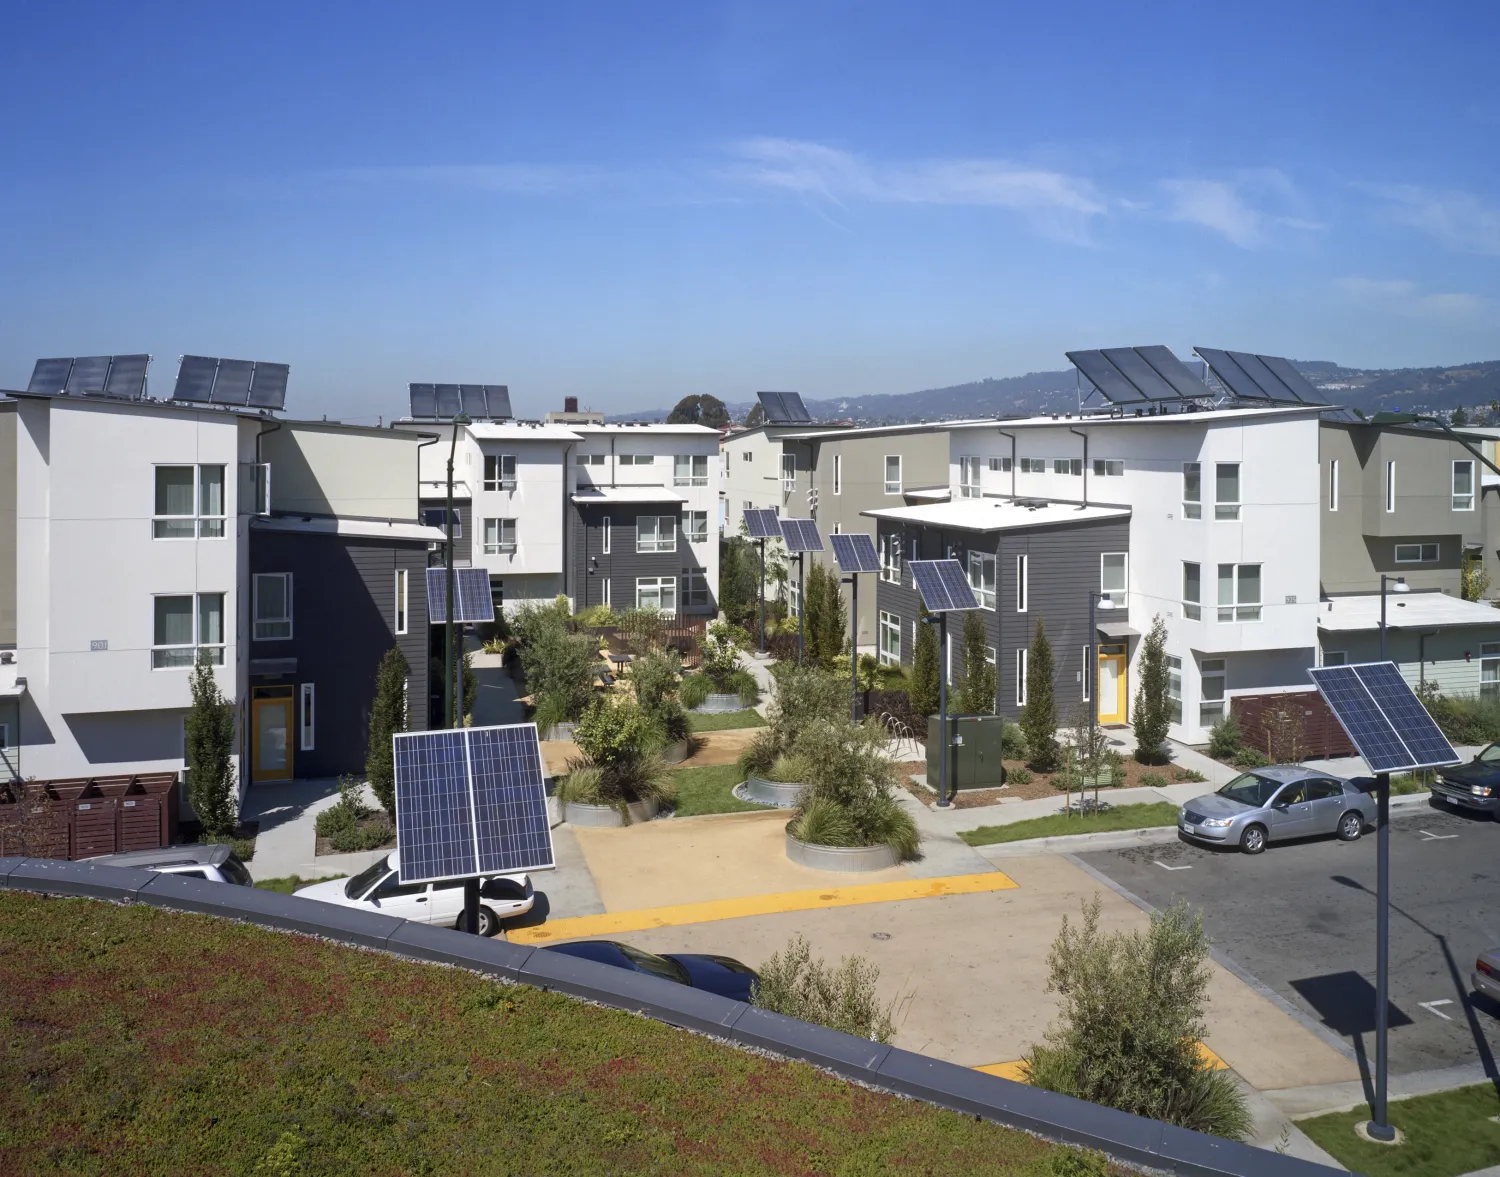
[288, 838]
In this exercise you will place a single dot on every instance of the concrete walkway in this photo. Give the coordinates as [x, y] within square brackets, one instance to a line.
[288, 838]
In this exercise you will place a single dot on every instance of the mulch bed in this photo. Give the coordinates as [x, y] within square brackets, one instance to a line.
[1040, 785]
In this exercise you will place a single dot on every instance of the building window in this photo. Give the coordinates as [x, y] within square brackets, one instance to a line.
[591, 459]
[636, 459]
[1000, 465]
[788, 473]
[837, 528]
[893, 474]
[1333, 485]
[890, 558]
[1109, 467]
[1085, 677]
[438, 517]
[189, 502]
[1021, 655]
[968, 477]
[1113, 577]
[1021, 586]
[1416, 553]
[1033, 465]
[1227, 490]
[1211, 694]
[656, 533]
[982, 578]
[607, 603]
[1335, 657]
[1067, 466]
[1463, 485]
[1174, 688]
[499, 536]
[656, 592]
[746, 455]
[890, 639]
[794, 598]
[690, 470]
[1489, 670]
[401, 600]
[695, 526]
[306, 727]
[726, 462]
[838, 474]
[184, 626]
[694, 588]
[1239, 592]
[604, 531]
[1390, 487]
[1192, 490]
[499, 472]
[1192, 592]
[273, 606]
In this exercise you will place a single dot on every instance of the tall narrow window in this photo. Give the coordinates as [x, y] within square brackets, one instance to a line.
[273, 606]
[969, 477]
[1333, 485]
[1390, 486]
[604, 530]
[402, 577]
[1227, 490]
[788, 473]
[1192, 592]
[890, 558]
[893, 474]
[1113, 577]
[1021, 587]
[307, 717]
[1192, 490]
[890, 639]
[1084, 675]
[1489, 670]
[1211, 692]
[1463, 485]
[838, 474]
[211, 502]
[982, 578]
[1174, 689]
[1021, 656]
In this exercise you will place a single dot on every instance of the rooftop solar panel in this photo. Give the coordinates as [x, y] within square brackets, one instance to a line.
[472, 599]
[1301, 387]
[1233, 376]
[762, 524]
[1383, 717]
[127, 376]
[471, 396]
[268, 386]
[801, 535]
[232, 385]
[775, 410]
[1105, 377]
[449, 400]
[1140, 374]
[1265, 379]
[497, 397]
[1166, 364]
[88, 374]
[796, 411]
[50, 375]
[423, 399]
[195, 379]
[855, 551]
[943, 585]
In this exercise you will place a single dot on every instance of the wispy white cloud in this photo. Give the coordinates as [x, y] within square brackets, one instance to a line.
[1459, 220]
[1054, 202]
[1406, 298]
[1245, 209]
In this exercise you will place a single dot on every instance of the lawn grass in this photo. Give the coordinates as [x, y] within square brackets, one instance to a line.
[1117, 817]
[290, 883]
[1446, 1134]
[709, 790]
[137, 1040]
[708, 721]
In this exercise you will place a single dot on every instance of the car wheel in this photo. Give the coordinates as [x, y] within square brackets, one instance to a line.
[489, 922]
[1253, 840]
[1351, 826]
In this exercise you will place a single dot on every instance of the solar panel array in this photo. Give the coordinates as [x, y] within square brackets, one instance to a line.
[250, 384]
[801, 535]
[481, 402]
[118, 376]
[762, 524]
[1383, 716]
[784, 408]
[1139, 375]
[855, 551]
[1262, 378]
[470, 802]
[943, 584]
[472, 600]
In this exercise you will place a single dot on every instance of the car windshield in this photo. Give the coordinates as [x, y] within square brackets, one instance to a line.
[1490, 755]
[1250, 789]
[234, 870]
[366, 878]
[657, 966]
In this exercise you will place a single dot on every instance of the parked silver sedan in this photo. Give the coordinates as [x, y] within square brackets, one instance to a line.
[1276, 803]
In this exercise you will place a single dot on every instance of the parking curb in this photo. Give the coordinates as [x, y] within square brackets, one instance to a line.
[1064, 843]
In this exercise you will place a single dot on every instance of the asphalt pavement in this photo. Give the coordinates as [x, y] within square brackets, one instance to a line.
[1299, 921]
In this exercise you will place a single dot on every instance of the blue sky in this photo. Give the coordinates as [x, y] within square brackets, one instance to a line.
[633, 202]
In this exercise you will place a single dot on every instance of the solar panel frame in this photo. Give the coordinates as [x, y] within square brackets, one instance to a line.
[512, 830]
[423, 399]
[855, 551]
[232, 385]
[497, 402]
[1400, 705]
[1105, 377]
[472, 397]
[195, 379]
[943, 584]
[1164, 363]
[1143, 376]
[1233, 376]
[127, 376]
[796, 411]
[1301, 387]
[50, 375]
[762, 523]
[774, 407]
[801, 535]
[1369, 700]
[88, 375]
[472, 599]
[449, 400]
[1268, 381]
[268, 386]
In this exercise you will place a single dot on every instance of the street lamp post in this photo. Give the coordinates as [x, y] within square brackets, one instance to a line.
[1378, 1128]
[470, 920]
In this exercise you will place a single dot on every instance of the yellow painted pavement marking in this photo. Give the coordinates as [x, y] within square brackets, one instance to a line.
[1016, 1070]
[749, 905]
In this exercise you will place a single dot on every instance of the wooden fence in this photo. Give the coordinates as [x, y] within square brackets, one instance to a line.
[1291, 725]
[81, 817]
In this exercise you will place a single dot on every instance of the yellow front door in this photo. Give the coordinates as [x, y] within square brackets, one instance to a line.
[1112, 688]
[271, 745]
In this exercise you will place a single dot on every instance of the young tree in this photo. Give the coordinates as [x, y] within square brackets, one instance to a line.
[756, 416]
[210, 749]
[1152, 705]
[976, 689]
[825, 616]
[1039, 716]
[924, 671]
[387, 717]
[739, 581]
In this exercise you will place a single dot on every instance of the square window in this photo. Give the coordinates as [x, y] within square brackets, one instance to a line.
[656, 533]
[499, 536]
[656, 592]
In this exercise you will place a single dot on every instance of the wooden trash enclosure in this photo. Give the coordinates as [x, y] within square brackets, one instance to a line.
[83, 817]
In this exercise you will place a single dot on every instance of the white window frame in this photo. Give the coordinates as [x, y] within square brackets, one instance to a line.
[1238, 610]
[498, 528]
[1000, 465]
[1333, 484]
[979, 564]
[1192, 607]
[1073, 466]
[788, 473]
[1335, 657]
[1463, 501]
[1084, 676]
[1390, 487]
[685, 470]
[1421, 555]
[161, 652]
[1109, 467]
[838, 474]
[198, 523]
[1174, 688]
[892, 486]
[1227, 510]
[1213, 700]
[693, 592]
[1489, 670]
[496, 477]
[890, 558]
[1033, 465]
[970, 485]
[695, 527]
[607, 581]
[402, 618]
[591, 459]
[307, 718]
[257, 621]
[659, 585]
[1023, 587]
[1192, 497]
[1021, 655]
[664, 526]
[890, 632]
[636, 459]
[793, 598]
[1116, 597]
[605, 529]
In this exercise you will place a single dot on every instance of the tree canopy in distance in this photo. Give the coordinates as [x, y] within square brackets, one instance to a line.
[699, 410]
[756, 416]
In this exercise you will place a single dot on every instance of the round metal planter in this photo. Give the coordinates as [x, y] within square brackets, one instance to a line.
[719, 705]
[560, 731]
[607, 815]
[848, 859]
[677, 753]
[764, 792]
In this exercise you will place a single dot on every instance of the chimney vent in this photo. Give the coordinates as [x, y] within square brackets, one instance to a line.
[570, 404]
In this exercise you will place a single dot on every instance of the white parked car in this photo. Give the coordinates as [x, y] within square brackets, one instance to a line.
[379, 888]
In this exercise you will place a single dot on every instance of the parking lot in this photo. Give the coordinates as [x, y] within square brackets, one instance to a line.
[1300, 919]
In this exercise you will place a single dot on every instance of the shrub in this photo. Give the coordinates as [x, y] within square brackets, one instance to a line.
[210, 749]
[599, 617]
[804, 695]
[893, 708]
[1020, 775]
[1131, 1014]
[613, 730]
[780, 645]
[695, 690]
[1251, 758]
[976, 686]
[1072, 1162]
[846, 767]
[370, 835]
[619, 740]
[1013, 742]
[1152, 780]
[347, 811]
[1464, 719]
[721, 656]
[1187, 775]
[1225, 738]
[787, 770]
[1039, 716]
[743, 684]
[559, 665]
[760, 754]
[581, 786]
[643, 629]
[550, 711]
[654, 677]
[791, 982]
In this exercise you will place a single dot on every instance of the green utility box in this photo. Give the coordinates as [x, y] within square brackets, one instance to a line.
[975, 758]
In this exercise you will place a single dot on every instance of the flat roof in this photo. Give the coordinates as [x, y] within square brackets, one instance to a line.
[1112, 420]
[628, 494]
[519, 431]
[1402, 611]
[338, 525]
[996, 514]
[824, 433]
[646, 427]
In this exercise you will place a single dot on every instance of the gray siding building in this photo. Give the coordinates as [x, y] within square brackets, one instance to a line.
[637, 554]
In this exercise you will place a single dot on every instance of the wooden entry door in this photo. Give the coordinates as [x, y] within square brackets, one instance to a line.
[271, 739]
[1113, 689]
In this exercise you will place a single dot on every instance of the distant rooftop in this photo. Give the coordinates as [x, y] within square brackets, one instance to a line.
[1402, 611]
[997, 514]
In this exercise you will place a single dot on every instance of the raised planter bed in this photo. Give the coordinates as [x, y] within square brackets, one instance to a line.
[560, 731]
[779, 793]
[607, 815]
[719, 704]
[847, 859]
[678, 752]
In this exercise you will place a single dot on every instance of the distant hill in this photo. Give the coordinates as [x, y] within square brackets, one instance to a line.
[1368, 389]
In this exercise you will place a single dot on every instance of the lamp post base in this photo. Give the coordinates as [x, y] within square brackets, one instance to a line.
[1378, 1133]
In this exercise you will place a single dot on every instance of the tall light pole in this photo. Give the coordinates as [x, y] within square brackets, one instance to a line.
[1378, 1128]
[461, 420]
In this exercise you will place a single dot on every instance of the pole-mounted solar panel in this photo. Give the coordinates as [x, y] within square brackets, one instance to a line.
[472, 599]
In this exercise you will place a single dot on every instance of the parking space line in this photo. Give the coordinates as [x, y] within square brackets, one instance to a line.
[1436, 837]
[1164, 866]
[751, 905]
[1429, 1006]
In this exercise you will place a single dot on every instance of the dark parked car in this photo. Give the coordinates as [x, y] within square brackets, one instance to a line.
[718, 974]
[1475, 785]
[218, 864]
[1270, 804]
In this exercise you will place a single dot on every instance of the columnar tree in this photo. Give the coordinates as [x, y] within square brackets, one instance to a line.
[1039, 715]
[210, 752]
[976, 690]
[924, 671]
[1152, 702]
[825, 616]
[387, 717]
